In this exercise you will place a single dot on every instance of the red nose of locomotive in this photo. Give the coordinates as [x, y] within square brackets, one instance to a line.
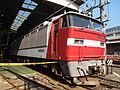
[85, 44]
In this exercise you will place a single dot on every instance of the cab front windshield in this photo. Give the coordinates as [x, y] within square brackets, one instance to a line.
[80, 21]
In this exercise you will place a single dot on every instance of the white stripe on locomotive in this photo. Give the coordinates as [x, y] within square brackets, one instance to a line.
[85, 42]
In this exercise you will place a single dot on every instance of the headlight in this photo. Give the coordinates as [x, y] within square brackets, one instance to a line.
[78, 42]
[101, 44]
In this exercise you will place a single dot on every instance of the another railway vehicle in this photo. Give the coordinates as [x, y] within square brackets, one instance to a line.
[74, 40]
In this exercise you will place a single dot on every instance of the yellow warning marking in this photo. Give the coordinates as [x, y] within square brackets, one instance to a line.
[20, 64]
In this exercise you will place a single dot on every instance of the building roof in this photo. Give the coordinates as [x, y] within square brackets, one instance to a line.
[113, 30]
[22, 15]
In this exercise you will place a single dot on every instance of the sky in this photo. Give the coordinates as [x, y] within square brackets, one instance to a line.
[114, 14]
[114, 11]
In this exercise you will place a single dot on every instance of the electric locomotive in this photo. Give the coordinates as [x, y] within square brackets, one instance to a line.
[76, 41]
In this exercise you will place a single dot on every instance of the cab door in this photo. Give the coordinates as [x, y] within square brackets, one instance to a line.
[53, 43]
[55, 48]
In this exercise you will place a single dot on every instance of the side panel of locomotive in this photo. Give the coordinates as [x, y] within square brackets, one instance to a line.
[35, 43]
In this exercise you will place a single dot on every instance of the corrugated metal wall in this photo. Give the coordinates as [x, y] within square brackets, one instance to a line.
[36, 38]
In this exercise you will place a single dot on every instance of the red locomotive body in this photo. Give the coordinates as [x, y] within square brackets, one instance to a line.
[76, 41]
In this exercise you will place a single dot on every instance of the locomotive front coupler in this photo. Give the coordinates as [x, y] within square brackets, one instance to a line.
[95, 70]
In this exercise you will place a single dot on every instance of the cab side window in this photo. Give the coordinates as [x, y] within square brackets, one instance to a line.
[64, 21]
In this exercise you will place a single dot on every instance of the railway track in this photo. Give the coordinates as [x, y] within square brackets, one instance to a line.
[41, 81]
[36, 81]
[47, 80]
[109, 83]
[22, 82]
[44, 79]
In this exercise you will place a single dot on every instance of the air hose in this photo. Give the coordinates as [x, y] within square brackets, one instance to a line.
[83, 73]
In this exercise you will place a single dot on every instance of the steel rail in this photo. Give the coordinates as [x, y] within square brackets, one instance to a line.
[109, 82]
[31, 81]
[116, 66]
[5, 78]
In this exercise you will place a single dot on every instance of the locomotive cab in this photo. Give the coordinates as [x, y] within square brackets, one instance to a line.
[74, 35]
